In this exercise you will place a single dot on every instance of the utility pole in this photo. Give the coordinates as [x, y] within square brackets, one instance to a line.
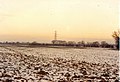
[55, 35]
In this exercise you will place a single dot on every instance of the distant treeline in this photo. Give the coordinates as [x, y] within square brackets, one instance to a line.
[102, 44]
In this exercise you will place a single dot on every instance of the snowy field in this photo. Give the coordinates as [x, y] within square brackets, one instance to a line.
[23, 64]
[94, 55]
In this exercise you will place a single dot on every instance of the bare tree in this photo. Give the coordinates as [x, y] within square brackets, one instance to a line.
[71, 43]
[104, 44]
[116, 37]
[82, 43]
[95, 44]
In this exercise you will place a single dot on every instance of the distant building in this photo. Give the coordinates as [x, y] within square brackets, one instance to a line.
[59, 42]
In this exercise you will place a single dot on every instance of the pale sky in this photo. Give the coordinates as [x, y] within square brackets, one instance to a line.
[36, 20]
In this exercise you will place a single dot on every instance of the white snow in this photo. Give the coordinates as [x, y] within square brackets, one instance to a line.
[58, 64]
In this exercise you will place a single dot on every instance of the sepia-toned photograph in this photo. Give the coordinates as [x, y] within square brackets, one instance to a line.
[59, 41]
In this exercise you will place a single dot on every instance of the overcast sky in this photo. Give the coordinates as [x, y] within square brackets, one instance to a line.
[36, 20]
